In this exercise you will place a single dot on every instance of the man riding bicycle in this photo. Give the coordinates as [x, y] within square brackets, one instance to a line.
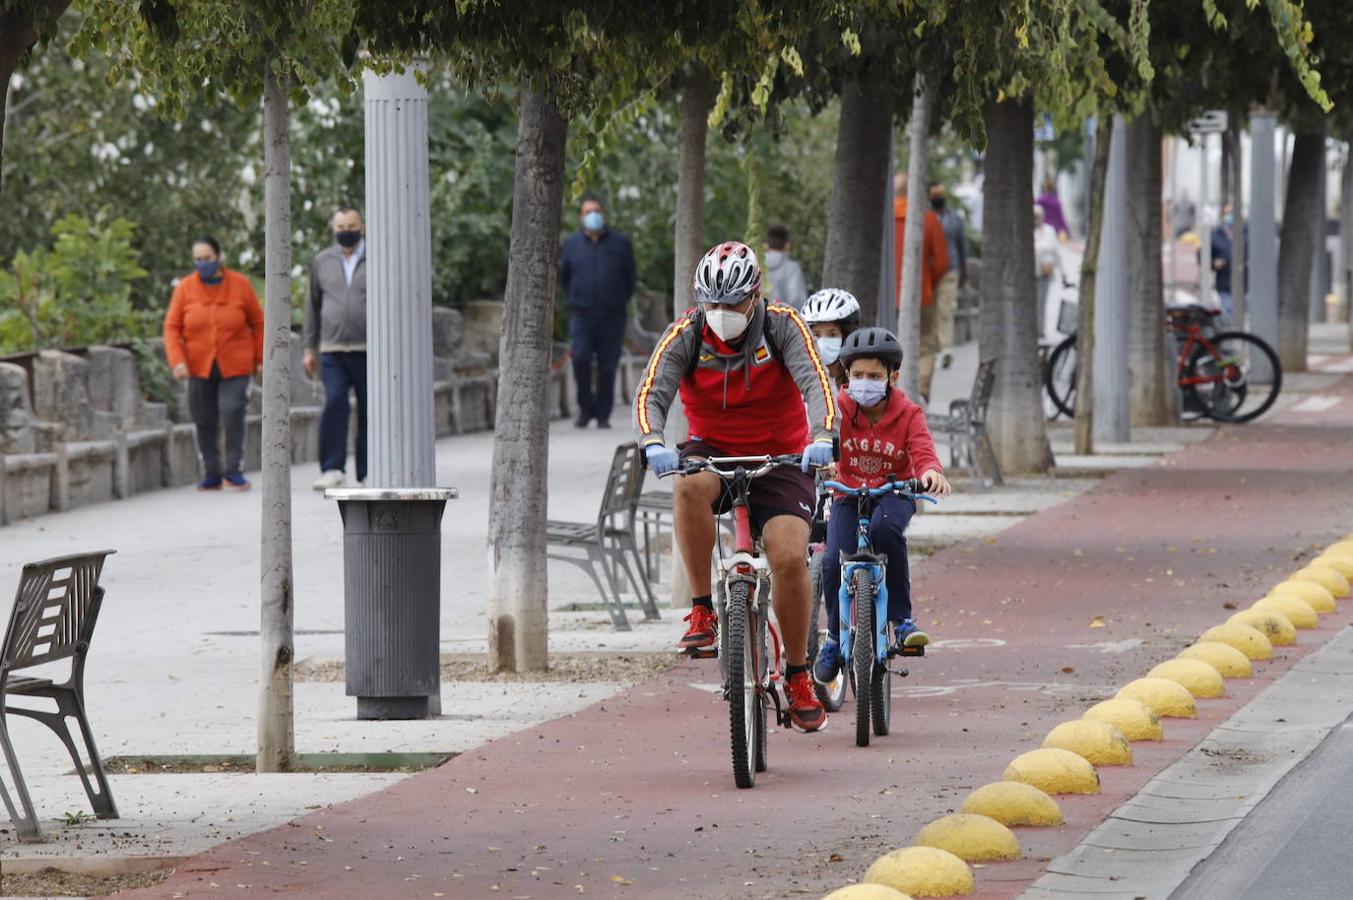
[744, 368]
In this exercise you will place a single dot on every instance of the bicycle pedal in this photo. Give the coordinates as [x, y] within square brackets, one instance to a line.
[907, 651]
[700, 652]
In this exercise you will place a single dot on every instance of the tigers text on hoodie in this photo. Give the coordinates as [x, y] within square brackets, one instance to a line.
[898, 444]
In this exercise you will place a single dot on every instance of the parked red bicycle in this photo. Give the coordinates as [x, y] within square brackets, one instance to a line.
[1229, 376]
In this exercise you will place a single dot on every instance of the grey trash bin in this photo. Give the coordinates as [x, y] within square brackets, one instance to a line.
[392, 598]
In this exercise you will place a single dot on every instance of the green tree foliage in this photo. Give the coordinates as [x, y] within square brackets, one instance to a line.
[76, 292]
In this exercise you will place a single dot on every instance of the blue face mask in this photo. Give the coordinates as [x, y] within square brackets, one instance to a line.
[594, 221]
[207, 268]
[866, 391]
[1228, 220]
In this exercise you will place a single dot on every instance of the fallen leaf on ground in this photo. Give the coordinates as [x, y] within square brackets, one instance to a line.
[1097, 622]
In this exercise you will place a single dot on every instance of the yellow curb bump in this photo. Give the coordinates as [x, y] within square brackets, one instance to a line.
[1198, 678]
[1297, 611]
[1326, 576]
[1013, 803]
[1340, 548]
[922, 872]
[1227, 660]
[1341, 561]
[1321, 600]
[1133, 718]
[1247, 640]
[1054, 771]
[866, 892]
[970, 837]
[1100, 743]
[1163, 696]
[1275, 626]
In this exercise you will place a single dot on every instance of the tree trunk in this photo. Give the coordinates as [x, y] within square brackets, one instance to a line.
[276, 733]
[1296, 248]
[1149, 393]
[1085, 325]
[859, 181]
[518, 490]
[909, 300]
[1009, 307]
[697, 93]
[1240, 275]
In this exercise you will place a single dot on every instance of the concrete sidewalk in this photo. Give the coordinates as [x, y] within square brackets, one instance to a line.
[1052, 614]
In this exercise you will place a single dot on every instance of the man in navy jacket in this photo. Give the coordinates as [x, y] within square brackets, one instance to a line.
[596, 271]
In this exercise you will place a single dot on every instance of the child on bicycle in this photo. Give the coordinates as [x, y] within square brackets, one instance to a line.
[883, 434]
[832, 314]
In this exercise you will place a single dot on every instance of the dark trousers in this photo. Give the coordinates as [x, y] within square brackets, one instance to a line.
[341, 373]
[888, 532]
[213, 401]
[599, 339]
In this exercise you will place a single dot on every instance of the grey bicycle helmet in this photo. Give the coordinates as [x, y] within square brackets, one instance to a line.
[872, 343]
[831, 305]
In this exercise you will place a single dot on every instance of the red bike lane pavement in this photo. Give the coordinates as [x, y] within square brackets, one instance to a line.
[634, 796]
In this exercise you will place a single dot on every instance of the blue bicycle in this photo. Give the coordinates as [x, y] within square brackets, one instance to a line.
[864, 628]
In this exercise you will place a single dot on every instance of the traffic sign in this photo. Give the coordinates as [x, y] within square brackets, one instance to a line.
[1214, 121]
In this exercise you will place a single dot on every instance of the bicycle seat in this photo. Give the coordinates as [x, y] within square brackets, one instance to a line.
[1190, 310]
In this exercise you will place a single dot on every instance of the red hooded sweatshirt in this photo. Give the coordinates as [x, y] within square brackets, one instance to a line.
[898, 444]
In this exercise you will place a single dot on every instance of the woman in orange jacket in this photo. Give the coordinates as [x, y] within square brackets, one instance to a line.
[213, 339]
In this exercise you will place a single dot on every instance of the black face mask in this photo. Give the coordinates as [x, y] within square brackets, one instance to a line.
[937, 203]
[348, 238]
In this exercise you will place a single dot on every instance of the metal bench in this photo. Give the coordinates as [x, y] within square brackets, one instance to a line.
[610, 542]
[55, 610]
[966, 428]
[655, 507]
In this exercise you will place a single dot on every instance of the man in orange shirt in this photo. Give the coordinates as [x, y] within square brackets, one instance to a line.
[934, 265]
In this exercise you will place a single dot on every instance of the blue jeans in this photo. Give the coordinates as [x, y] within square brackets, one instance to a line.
[888, 532]
[599, 339]
[341, 373]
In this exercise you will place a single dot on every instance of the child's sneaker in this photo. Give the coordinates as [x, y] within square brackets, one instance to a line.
[828, 663]
[908, 635]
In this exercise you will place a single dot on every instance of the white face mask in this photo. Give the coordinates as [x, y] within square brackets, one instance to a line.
[829, 348]
[726, 323]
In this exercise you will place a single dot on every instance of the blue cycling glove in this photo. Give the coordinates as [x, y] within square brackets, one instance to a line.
[661, 459]
[818, 453]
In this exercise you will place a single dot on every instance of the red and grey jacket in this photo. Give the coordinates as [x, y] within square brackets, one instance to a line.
[747, 399]
[898, 444]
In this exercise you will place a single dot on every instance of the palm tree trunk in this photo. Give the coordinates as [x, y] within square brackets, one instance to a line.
[1296, 250]
[859, 183]
[1009, 330]
[1149, 391]
[518, 490]
[276, 732]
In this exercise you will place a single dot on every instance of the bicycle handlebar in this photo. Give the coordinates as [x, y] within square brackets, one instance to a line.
[763, 464]
[910, 487]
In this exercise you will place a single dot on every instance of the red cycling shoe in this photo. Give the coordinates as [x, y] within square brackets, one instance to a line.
[805, 710]
[703, 630]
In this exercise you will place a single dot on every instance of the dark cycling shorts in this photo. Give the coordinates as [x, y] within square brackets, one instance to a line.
[783, 491]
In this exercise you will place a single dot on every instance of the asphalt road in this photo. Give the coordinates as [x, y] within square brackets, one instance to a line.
[1296, 842]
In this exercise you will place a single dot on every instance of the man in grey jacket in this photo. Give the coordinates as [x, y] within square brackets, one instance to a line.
[784, 275]
[335, 345]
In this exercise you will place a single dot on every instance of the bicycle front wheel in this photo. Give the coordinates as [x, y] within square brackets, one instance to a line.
[862, 652]
[743, 697]
[1060, 380]
[1236, 379]
[833, 695]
